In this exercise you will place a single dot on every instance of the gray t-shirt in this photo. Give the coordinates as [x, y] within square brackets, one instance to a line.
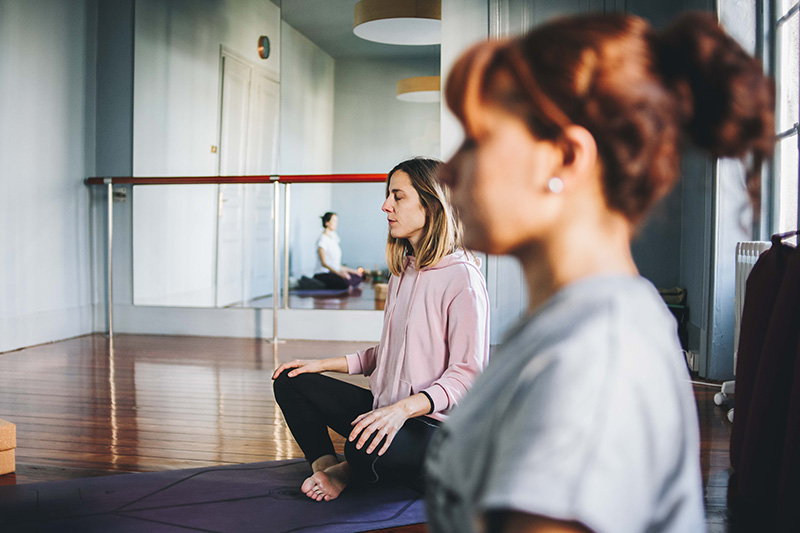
[585, 414]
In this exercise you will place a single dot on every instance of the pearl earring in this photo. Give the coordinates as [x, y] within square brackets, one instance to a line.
[556, 185]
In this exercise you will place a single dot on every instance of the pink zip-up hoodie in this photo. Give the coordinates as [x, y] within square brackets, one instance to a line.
[435, 335]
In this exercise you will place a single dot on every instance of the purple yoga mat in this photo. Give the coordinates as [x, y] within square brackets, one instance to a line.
[320, 293]
[263, 497]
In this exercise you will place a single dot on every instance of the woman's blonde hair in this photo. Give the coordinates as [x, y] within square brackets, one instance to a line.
[441, 234]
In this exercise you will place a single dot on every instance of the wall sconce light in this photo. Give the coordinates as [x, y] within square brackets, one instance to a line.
[263, 47]
[420, 89]
[408, 22]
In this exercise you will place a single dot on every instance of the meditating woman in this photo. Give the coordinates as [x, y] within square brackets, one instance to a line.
[584, 420]
[329, 269]
[435, 341]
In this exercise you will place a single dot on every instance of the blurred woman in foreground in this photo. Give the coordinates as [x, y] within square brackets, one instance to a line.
[585, 419]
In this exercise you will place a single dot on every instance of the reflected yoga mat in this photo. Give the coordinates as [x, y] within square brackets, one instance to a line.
[263, 497]
[320, 293]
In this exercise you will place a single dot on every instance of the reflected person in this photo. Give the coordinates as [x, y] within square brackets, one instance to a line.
[329, 269]
[434, 343]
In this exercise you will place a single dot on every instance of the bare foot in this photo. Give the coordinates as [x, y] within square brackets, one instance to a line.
[327, 484]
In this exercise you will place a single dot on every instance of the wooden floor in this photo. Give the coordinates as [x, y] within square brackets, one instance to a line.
[156, 403]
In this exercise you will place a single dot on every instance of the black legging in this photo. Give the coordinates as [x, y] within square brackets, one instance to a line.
[335, 281]
[311, 403]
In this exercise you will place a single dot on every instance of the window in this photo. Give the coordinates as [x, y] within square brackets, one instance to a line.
[785, 30]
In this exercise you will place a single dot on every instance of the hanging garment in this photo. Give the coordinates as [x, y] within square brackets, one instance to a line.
[765, 439]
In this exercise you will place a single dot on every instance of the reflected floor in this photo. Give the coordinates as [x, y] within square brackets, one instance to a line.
[361, 298]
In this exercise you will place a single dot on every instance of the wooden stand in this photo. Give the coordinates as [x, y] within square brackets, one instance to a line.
[8, 442]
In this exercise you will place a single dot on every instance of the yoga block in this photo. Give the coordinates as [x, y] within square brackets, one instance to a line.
[7, 462]
[8, 435]
[380, 290]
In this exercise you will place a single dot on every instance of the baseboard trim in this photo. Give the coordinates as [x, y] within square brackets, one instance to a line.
[307, 324]
[45, 327]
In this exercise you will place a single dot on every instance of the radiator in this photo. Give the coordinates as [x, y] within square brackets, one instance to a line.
[746, 256]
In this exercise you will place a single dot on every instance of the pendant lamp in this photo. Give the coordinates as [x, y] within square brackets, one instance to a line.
[420, 89]
[409, 22]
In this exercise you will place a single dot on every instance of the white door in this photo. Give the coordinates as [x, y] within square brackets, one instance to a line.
[262, 155]
[259, 250]
[232, 160]
[262, 137]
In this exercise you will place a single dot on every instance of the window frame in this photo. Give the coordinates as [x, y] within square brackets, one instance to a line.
[769, 19]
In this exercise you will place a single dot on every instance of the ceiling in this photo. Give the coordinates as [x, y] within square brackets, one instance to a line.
[329, 25]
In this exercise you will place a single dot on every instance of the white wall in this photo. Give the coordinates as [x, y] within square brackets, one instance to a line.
[362, 225]
[113, 130]
[307, 87]
[464, 22]
[176, 123]
[307, 100]
[373, 131]
[310, 109]
[174, 246]
[176, 77]
[733, 217]
[697, 187]
[47, 99]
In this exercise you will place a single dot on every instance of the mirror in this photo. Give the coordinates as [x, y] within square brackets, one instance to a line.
[203, 245]
[205, 103]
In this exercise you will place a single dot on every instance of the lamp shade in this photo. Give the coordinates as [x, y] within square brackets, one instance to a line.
[409, 22]
[421, 89]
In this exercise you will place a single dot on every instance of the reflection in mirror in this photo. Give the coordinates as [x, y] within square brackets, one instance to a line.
[174, 248]
[183, 112]
[206, 104]
[203, 245]
[361, 232]
[340, 114]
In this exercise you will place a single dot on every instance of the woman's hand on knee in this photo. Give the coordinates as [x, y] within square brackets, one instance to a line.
[383, 422]
[312, 366]
[300, 366]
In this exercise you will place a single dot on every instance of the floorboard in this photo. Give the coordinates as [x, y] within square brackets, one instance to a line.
[150, 403]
